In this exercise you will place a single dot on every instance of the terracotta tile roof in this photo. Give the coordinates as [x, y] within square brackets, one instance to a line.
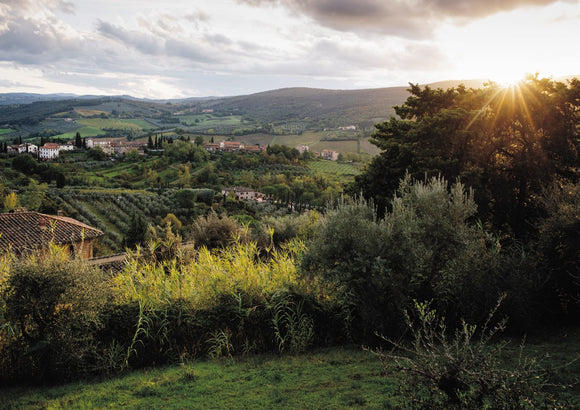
[25, 230]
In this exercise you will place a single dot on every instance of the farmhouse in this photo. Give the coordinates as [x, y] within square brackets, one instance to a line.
[231, 146]
[212, 146]
[329, 155]
[23, 232]
[244, 194]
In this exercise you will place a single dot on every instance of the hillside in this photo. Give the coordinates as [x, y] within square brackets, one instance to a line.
[329, 107]
[326, 107]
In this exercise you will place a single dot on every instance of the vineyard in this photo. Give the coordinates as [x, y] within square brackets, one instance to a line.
[111, 210]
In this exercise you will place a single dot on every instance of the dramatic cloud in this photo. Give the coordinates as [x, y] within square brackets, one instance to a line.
[30, 33]
[403, 18]
[155, 48]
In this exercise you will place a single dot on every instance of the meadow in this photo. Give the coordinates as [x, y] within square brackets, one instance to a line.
[117, 124]
[331, 378]
[84, 131]
[332, 167]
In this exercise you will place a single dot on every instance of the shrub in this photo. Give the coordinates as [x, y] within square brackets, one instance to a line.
[559, 251]
[424, 248]
[214, 231]
[461, 371]
[52, 306]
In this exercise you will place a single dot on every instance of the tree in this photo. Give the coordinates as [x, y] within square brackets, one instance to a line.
[78, 140]
[10, 202]
[426, 247]
[34, 195]
[25, 163]
[137, 232]
[504, 142]
[199, 140]
[97, 154]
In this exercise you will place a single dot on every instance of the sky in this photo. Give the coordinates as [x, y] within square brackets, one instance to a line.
[199, 48]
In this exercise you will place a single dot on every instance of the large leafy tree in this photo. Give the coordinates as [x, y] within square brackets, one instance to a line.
[506, 142]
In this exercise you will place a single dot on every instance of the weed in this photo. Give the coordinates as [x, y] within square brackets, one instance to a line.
[220, 344]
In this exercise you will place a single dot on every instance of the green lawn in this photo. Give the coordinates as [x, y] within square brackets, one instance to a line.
[332, 379]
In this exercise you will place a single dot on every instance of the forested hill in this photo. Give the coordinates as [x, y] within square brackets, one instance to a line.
[328, 108]
[335, 107]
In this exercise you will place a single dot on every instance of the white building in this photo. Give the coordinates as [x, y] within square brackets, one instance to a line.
[49, 151]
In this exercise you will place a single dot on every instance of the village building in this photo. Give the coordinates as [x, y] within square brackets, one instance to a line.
[329, 155]
[231, 146]
[26, 232]
[212, 146]
[22, 149]
[303, 148]
[105, 145]
[253, 149]
[121, 147]
[49, 151]
[244, 194]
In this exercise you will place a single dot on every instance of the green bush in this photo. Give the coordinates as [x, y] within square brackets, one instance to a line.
[425, 248]
[559, 251]
[215, 231]
[462, 370]
[52, 306]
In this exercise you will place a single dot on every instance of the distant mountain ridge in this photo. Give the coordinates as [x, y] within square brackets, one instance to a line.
[325, 107]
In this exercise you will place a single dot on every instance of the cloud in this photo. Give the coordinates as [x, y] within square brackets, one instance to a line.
[37, 6]
[30, 33]
[161, 43]
[402, 18]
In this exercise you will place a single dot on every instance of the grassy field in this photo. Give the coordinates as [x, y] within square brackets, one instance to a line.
[208, 119]
[5, 131]
[331, 167]
[84, 131]
[102, 123]
[87, 113]
[334, 378]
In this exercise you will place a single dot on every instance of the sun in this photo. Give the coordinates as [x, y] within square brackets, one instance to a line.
[508, 78]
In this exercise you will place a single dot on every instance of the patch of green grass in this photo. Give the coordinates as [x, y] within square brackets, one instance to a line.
[140, 123]
[6, 131]
[332, 167]
[209, 120]
[107, 123]
[84, 131]
[332, 378]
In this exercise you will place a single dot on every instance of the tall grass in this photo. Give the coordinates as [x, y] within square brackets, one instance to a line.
[203, 280]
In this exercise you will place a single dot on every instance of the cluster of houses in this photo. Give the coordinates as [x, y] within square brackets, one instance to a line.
[242, 193]
[51, 150]
[232, 146]
[327, 154]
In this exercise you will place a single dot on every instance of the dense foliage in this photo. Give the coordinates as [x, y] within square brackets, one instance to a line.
[506, 143]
